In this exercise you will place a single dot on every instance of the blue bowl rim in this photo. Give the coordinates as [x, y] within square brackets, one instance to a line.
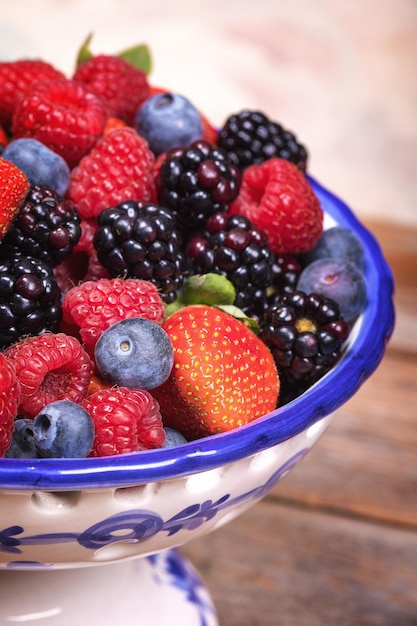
[331, 392]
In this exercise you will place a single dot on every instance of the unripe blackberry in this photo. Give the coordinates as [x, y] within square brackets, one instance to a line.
[141, 240]
[47, 227]
[29, 299]
[234, 247]
[251, 137]
[196, 182]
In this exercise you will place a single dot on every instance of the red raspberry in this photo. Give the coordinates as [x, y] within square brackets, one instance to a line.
[93, 306]
[278, 198]
[66, 116]
[118, 168]
[121, 85]
[9, 401]
[125, 420]
[50, 367]
[82, 264]
[15, 79]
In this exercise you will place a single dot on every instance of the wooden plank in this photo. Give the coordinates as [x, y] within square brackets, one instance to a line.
[278, 565]
[366, 462]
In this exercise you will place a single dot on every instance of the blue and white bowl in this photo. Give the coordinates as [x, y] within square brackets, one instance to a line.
[75, 513]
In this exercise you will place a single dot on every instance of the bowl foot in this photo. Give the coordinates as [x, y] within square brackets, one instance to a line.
[148, 591]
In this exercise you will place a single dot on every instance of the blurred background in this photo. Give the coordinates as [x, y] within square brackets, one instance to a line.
[341, 75]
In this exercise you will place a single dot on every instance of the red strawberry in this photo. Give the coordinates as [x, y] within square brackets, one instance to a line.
[93, 306]
[14, 187]
[120, 167]
[223, 376]
[49, 367]
[125, 420]
[278, 198]
[121, 85]
[9, 401]
[65, 115]
[15, 79]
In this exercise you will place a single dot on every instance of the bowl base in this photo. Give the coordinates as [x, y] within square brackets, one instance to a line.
[147, 591]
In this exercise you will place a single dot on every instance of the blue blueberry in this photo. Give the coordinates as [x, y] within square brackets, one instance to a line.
[63, 429]
[338, 279]
[135, 353]
[173, 438]
[41, 165]
[168, 120]
[22, 445]
[338, 242]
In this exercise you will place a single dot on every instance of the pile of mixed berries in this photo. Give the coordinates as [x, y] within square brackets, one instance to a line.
[161, 280]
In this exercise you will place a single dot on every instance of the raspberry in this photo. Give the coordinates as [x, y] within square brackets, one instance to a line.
[93, 306]
[120, 167]
[9, 402]
[29, 299]
[125, 420]
[278, 198]
[50, 367]
[251, 137]
[122, 86]
[16, 77]
[46, 227]
[305, 333]
[65, 115]
[140, 240]
[196, 182]
[235, 248]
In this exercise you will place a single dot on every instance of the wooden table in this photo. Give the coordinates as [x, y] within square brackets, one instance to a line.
[335, 542]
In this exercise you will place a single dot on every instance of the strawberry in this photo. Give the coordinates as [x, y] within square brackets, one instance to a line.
[15, 79]
[14, 186]
[120, 167]
[223, 375]
[65, 115]
[121, 85]
[278, 198]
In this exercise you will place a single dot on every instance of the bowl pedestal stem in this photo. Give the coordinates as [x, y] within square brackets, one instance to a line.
[150, 591]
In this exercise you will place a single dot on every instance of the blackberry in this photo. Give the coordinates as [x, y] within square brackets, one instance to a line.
[286, 269]
[196, 182]
[305, 333]
[30, 301]
[251, 137]
[46, 227]
[234, 247]
[141, 240]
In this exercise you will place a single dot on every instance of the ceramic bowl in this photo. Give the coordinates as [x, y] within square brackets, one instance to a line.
[75, 513]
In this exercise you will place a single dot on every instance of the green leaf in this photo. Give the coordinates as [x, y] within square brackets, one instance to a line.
[208, 288]
[240, 315]
[138, 56]
[84, 53]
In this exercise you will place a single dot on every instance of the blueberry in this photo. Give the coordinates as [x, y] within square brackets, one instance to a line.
[168, 120]
[135, 353]
[173, 438]
[338, 279]
[338, 242]
[63, 429]
[41, 165]
[22, 445]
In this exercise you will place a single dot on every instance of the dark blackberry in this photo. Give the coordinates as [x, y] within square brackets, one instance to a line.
[196, 182]
[305, 333]
[286, 270]
[30, 301]
[251, 137]
[46, 227]
[234, 247]
[141, 240]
